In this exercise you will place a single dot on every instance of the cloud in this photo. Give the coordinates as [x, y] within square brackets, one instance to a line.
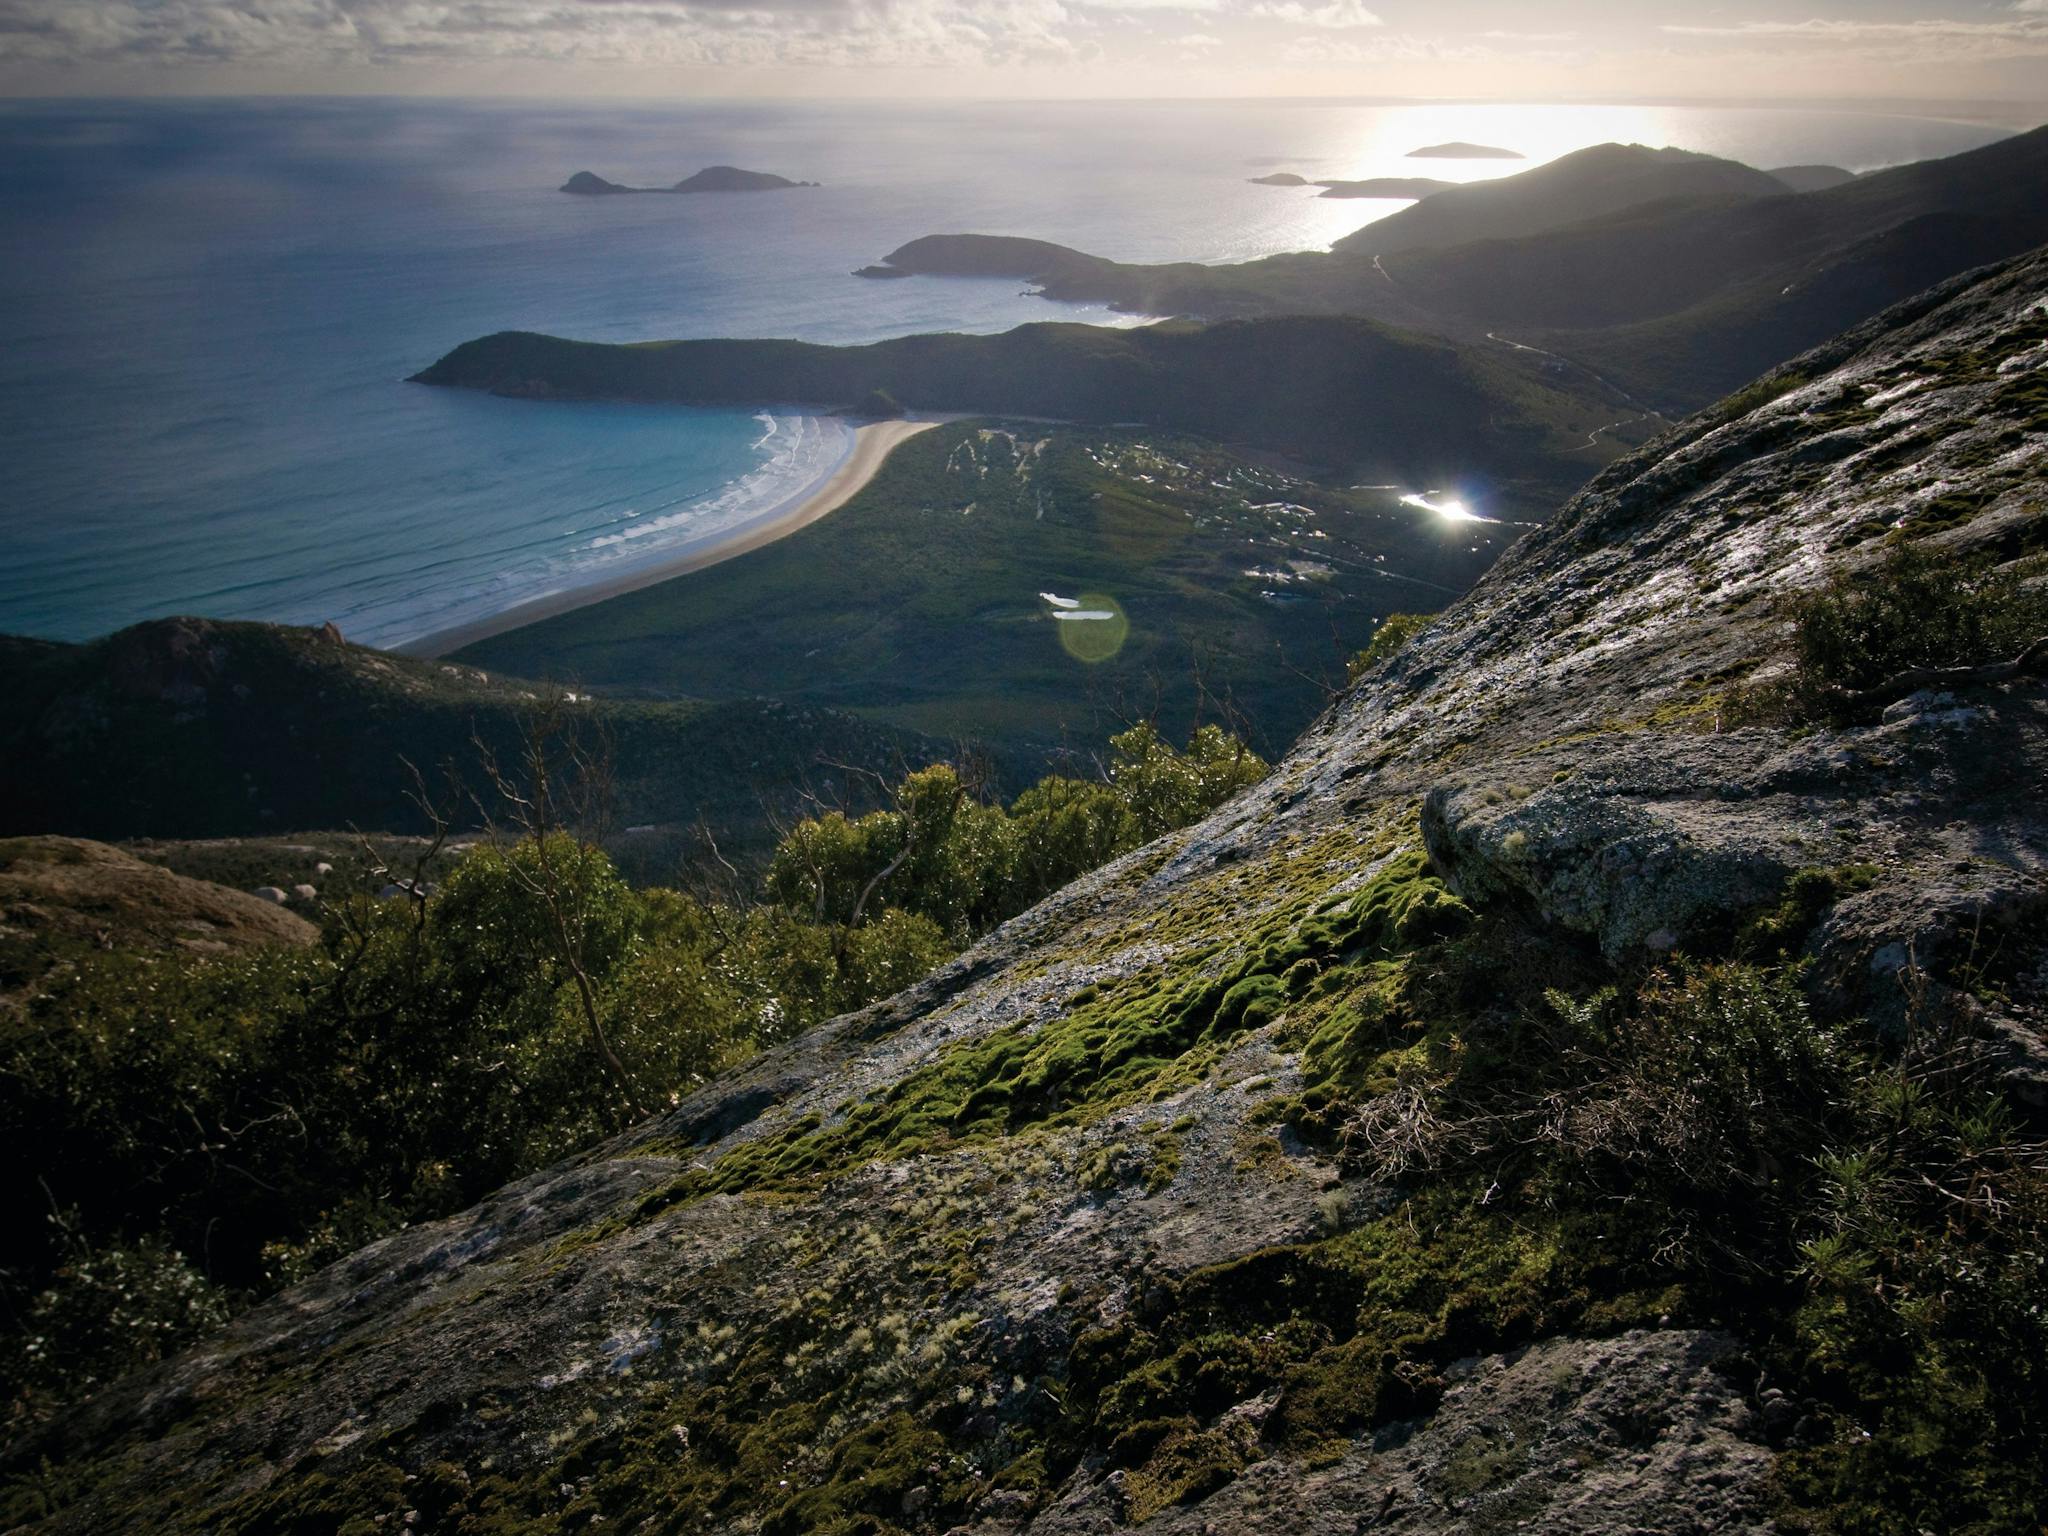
[1916, 39]
[324, 33]
[1331, 15]
[1199, 40]
[1389, 48]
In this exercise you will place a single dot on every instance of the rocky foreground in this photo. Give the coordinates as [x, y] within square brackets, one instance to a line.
[1122, 1218]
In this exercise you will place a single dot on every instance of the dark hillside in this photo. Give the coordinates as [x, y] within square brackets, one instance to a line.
[1347, 394]
[184, 728]
[1589, 184]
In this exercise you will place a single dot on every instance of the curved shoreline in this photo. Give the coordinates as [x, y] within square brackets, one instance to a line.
[873, 442]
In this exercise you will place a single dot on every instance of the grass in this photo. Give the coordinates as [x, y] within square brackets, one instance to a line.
[918, 603]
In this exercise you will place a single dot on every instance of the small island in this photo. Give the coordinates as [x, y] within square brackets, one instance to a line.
[1811, 178]
[1034, 261]
[713, 178]
[1413, 188]
[1459, 150]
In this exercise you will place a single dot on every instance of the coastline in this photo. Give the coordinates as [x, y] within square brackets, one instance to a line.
[873, 442]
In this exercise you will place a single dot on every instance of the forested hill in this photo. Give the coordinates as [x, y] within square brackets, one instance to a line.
[1344, 393]
[1676, 277]
[204, 728]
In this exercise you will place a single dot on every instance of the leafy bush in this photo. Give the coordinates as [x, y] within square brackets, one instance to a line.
[1394, 631]
[1864, 1208]
[213, 1129]
[1918, 609]
[108, 1310]
[941, 854]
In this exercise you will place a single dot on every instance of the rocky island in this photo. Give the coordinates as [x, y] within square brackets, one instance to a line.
[1457, 149]
[1812, 178]
[713, 178]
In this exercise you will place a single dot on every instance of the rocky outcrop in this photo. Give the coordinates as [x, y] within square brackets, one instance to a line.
[65, 896]
[904, 1270]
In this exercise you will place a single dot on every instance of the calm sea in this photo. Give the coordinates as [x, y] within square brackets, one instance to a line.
[207, 311]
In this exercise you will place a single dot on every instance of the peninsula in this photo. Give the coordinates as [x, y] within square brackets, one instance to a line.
[1412, 187]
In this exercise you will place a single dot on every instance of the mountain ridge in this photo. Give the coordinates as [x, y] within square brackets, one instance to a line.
[1684, 267]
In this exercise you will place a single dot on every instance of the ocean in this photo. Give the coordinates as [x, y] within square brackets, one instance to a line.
[208, 311]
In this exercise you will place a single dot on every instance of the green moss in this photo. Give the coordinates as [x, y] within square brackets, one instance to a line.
[870, 1473]
[1772, 386]
[1347, 1333]
[1138, 1039]
[1781, 932]
[1188, 1466]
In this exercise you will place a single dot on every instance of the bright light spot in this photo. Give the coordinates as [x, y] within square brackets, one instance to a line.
[1449, 509]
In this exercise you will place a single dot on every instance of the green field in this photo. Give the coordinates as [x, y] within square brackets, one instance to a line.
[919, 603]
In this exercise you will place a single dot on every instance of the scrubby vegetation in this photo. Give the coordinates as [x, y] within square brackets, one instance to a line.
[921, 602]
[1394, 631]
[1582, 1151]
[1554, 1148]
[188, 1135]
[1918, 618]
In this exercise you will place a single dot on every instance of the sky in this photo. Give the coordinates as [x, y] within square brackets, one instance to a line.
[1963, 51]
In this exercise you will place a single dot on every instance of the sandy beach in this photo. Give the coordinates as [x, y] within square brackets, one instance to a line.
[872, 444]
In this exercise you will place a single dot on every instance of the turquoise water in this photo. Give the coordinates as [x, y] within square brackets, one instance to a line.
[207, 311]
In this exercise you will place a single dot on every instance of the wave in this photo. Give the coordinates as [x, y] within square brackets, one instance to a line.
[796, 453]
[801, 452]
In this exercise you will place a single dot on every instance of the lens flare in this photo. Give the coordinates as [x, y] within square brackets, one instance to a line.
[1093, 629]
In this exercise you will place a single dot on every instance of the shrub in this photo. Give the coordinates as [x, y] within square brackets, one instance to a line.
[1917, 609]
[1394, 632]
[216, 1128]
[107, 1311]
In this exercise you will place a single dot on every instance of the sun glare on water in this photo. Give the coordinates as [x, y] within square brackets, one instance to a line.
[1536, 132]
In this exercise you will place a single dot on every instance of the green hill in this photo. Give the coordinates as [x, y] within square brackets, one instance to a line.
[1345, 394]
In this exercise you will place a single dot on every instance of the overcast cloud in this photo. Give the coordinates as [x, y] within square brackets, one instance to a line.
[1472, 47]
